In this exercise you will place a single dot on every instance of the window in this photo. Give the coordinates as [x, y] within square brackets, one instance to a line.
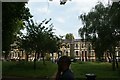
[77, 53]
[66, 51]
[76, 45]
[68, 46]
[82, 45]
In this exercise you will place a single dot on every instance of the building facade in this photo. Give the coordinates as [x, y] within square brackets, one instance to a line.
[79, 49]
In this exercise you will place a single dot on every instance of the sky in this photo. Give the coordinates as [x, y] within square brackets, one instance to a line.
[64, 17]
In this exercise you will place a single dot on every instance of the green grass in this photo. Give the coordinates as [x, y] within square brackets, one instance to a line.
[26, 69]
[101, 70]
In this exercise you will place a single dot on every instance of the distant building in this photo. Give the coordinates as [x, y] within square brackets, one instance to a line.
[79, 49]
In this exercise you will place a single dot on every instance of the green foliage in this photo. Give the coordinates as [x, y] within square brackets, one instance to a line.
[13, 16]
[48, 57]
[100, 29]
[69, 36]
[42, 38]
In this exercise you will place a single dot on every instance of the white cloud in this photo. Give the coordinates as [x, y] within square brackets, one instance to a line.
[43, 10]
[60, 19]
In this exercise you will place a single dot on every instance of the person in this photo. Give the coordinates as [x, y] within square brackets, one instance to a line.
[64, 72]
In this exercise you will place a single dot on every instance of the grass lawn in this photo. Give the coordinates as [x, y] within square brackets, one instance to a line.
[101, 70]
[26, 69]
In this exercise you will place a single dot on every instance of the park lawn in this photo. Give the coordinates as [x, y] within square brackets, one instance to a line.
[102, 70]
[26, 69]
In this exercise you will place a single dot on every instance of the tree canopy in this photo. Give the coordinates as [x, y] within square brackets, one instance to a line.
[101, 27]
[13, 16]
[40, 38]
[69, 36]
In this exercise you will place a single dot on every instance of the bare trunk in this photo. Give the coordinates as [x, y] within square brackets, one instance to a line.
[42, 55]
[116, 63]
[38, 56]
[6, 55]
[113, 62]
[44, 61]
[85, 55]
[108, 56]
[52, 57]
[35, 61]
[26, 57]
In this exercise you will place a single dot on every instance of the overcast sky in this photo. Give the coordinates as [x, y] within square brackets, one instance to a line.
[64, 17]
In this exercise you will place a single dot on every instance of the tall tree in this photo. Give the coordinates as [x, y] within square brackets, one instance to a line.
[115, 22]
[93, 27]
[42, 38]
[100, 29]
[13, 16]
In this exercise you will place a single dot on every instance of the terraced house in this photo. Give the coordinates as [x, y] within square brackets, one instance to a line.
[76, 48]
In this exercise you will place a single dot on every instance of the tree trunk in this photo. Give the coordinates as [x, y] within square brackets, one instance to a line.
[6, 55]
[113, 63]
[38, 56]
[85, 55]
[89, 55]
[44, 61]
[59, 54]
[108, 56]
[52, 57]
[116, 63]
[35, 61]
[26, 57]
[42, 55]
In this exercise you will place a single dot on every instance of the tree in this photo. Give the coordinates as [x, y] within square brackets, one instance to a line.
[70, 37]
[98, 27]
[13, 16]
[42, 38]
[115, 22]
[93, 28]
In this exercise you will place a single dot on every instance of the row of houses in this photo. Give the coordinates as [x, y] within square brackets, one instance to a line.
[78, 49]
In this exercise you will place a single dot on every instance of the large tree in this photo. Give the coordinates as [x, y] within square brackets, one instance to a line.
[98, 27]
[13, 16]
[40, 39]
